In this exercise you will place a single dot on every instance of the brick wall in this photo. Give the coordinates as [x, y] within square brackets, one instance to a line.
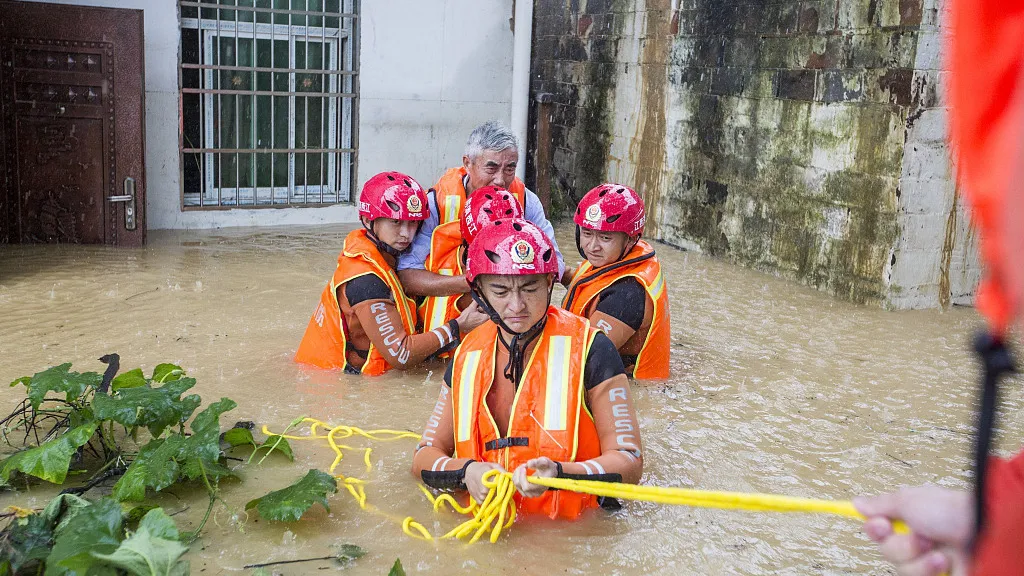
[802, 138]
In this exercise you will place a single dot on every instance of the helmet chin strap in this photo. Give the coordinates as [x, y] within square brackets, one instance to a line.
[520, 340]
[384, 246]
[625, 247]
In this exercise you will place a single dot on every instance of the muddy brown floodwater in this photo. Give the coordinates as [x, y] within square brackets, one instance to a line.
[775, 388]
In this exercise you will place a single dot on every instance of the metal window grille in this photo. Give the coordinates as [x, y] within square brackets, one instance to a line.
[268, 102]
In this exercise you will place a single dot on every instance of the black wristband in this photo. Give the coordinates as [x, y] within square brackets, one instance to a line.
[595, 477]
[446, 479]
[453, 325]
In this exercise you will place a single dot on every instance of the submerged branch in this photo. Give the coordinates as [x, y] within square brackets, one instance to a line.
[265, 564]
[97, 480]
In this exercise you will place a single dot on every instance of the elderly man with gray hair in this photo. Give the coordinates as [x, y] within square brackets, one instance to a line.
[492, 154]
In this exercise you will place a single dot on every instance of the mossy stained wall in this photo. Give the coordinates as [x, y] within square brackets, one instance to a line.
[785, 136]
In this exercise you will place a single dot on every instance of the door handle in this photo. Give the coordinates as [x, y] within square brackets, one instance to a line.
[129, 198]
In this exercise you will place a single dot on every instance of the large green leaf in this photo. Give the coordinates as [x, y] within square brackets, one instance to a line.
[161, 461]
[349, 552]
[155, 467]
[239, 437]
[94, 529]
[26, 541]
[160, 525]
[289, 504]
[50, 460]
[63, 507]
[195, 469]
[275, 443]
[154, 408]
[58, 379]
[131, 379]
[204, 442]
[396, 568]
[165, 372]
[153, 550]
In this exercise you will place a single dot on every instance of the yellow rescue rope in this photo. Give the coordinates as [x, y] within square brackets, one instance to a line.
[494, 514]
[707, 498]
[497, 512]
[320, 430]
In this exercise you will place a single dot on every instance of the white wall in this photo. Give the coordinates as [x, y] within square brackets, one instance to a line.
[430, 70]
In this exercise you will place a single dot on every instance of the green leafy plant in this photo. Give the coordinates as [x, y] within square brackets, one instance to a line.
[241, 435]
[290, 503]
[75, 536]
[396, 569]
[87, 426]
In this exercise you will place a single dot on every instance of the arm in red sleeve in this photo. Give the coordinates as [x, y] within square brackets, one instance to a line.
[383, 326]
[433, 462]
[1000, 548]
[618, 430]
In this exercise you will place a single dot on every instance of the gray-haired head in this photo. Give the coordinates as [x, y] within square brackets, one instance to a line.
[491, 135]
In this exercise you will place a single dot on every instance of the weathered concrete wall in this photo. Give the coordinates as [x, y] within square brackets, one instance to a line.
[802, 138]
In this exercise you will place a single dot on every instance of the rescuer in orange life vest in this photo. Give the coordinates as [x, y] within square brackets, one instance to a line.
[619, 272]
[491, 157]
[364, 322]
[448, 248]
[535, 388]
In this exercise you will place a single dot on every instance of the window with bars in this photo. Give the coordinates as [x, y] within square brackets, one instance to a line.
[267, 102]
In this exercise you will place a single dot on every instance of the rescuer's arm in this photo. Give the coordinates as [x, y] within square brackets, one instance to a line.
[999, 549]
[433, 462]
[610, 402]
[620, 310]
[416, 279]
[942, 525]
[421, 282]
[382, 323]
[566, 278]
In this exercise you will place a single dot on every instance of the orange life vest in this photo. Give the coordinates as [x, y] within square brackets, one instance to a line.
[587, 283]
[450, 194]
[325, 341]
[445, 259]
[549, 414]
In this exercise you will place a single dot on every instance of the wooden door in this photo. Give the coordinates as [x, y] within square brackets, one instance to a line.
[72, 156]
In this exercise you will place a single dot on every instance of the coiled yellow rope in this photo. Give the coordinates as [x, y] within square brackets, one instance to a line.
[497, 512]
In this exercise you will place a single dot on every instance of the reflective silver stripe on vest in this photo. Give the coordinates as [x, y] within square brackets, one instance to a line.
[466, 385]
[556, 398]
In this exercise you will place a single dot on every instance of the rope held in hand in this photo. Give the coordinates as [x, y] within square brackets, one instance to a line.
[497, 512]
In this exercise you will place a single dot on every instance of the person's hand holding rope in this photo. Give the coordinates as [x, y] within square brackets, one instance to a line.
[475, 479]
[543, 467]
[941, 524]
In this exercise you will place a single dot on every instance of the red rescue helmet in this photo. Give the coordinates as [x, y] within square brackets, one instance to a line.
[612, 208]
[514, 247]
[485, 206]
[393, 195]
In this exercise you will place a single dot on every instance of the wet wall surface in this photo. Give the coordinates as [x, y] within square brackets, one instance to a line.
[801, 138]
